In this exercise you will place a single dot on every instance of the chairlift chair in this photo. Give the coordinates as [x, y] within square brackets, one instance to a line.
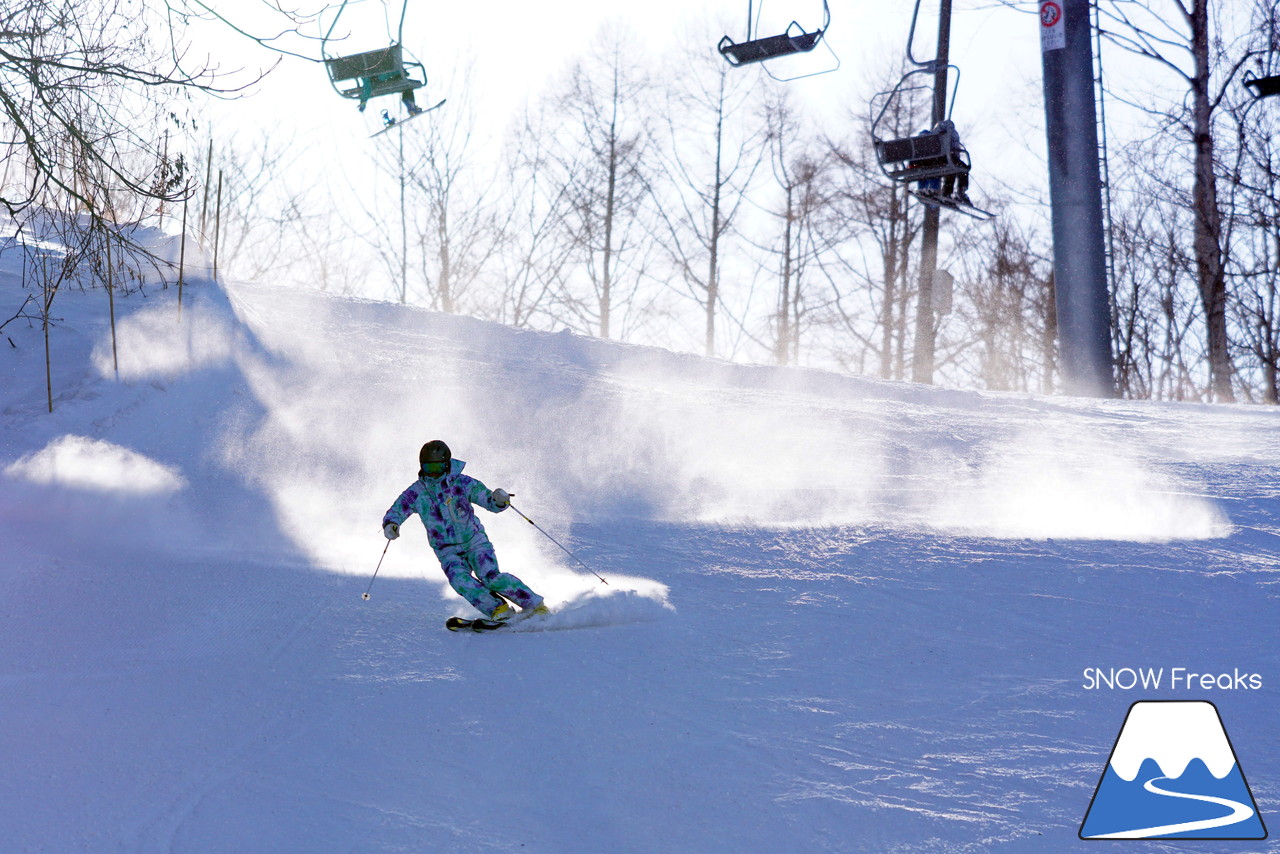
[379, 72]
[934, 159]
[930, 155]
[795, 39]
[1262, 87]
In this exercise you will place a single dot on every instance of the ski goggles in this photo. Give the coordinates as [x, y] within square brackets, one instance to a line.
[435, 469]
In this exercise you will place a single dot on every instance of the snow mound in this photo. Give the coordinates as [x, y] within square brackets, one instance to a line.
[95, 464]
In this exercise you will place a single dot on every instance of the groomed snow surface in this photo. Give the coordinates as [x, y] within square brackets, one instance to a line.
[842, 615]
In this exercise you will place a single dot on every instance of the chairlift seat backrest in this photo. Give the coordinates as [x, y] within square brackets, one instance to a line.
[922, 157]
[769, 47]
[1263, 87]
[380, 72]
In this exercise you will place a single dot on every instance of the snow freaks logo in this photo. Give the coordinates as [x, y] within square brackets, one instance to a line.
[1172, 774]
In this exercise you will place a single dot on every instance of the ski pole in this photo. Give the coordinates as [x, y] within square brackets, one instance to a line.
[557, 542]
[375, 572]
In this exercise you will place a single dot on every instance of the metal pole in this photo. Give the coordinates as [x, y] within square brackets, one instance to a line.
[557, 542]
[365, 595]
[922, 361]
[1075, 191]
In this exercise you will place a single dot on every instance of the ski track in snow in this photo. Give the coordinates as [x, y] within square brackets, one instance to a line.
[874, 648]
[1239, 812]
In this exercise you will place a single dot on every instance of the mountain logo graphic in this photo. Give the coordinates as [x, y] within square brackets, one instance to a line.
[1173, 774]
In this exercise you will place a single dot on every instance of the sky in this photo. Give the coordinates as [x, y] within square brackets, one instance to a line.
[491, 62]
[517, 51]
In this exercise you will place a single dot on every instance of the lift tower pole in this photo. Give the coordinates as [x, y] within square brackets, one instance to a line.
[1075, 190]
[926, 333]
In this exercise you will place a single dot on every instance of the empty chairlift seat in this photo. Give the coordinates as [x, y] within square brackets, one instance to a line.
[769, 47]
[795, 39]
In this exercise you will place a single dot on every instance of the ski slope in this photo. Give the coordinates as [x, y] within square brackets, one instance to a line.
[842, 614]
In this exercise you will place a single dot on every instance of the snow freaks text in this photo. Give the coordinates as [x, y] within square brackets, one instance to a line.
[1171, 678]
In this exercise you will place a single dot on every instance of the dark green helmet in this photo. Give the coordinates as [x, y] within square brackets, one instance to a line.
[435, 459]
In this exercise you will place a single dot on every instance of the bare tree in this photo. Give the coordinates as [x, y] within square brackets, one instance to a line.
[1006, 319]
[449, 229]
[601, 153]
[1176, 35]
[86, 92]
[264, 211]
[880, 258]
[710, 161]
[534, 251]
[802, 172]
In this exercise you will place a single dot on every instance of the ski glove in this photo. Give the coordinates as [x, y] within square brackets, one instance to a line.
[391, 530]
[502, 498]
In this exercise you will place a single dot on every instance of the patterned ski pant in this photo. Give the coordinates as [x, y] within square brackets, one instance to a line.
[472, 570]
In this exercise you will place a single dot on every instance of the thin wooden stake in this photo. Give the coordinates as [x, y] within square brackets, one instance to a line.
[182, 252]
[111, 301]
[217, 227]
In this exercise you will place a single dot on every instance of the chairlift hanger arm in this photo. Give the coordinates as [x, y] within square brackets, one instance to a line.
[898, 90]
[911, 38]
[399, 35]
[929, 64]
[328, 34]
[753, 22]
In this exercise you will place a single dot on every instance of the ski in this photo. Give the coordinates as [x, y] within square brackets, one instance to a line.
[395, 123]
[933, 198]
[460, 624]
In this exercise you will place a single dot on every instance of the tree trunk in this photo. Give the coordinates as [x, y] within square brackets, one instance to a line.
[1208, 218]
[713, 272]
[782, 346]
[445, 285]
[606, 287]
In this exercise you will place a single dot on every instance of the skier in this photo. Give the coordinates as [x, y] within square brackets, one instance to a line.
[953, 186]
[956, 186]
[927, 186]
[444, 497]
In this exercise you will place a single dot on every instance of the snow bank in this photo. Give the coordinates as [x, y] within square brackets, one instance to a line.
[95, 464]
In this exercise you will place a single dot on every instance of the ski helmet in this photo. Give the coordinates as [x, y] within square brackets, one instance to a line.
[435, 459]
